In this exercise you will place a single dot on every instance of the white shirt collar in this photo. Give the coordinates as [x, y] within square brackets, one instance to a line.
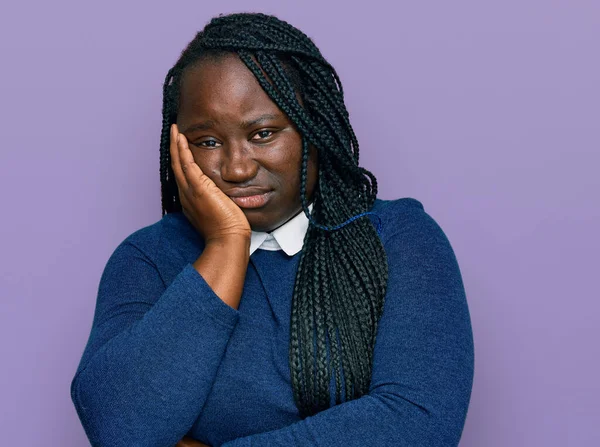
[289, 237]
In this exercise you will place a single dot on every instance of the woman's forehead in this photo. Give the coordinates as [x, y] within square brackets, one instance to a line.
[223, 87]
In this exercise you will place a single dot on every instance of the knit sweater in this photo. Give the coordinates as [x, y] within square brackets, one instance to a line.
[167, 357]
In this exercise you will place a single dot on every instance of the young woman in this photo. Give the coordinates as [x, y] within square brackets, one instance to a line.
[278, 301]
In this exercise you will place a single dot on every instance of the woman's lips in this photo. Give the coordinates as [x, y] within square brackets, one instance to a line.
[256, 201]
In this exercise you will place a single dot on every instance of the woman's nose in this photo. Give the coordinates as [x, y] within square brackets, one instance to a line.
[238, 164]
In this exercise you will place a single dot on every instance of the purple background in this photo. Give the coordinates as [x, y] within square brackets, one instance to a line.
[487, 113]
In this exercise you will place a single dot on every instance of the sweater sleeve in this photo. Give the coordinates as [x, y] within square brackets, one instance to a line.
[152, 354]
[423, 360]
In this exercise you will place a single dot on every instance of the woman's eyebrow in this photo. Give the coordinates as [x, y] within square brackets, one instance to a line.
[202, 125]
[259, 120]
[208, 125]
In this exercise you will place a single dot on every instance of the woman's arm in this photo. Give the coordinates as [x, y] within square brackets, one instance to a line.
[423, 360]
[222, 224]
[152, 354]
[154, 351]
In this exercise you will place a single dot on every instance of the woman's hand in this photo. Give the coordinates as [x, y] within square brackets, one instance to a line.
[208, 209]
[226, 231]
[190, 442]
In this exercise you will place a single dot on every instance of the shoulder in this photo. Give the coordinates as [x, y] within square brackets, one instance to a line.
[400, 215]
[172, 237]
[410, 233]
[406, 203]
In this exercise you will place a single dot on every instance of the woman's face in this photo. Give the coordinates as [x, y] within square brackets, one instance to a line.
[241, 139]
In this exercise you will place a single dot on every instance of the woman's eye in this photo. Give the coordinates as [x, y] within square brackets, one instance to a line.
[207, 143]
[262, 134]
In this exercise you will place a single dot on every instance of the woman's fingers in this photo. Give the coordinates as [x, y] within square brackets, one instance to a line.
[187, 173]
[193, 174]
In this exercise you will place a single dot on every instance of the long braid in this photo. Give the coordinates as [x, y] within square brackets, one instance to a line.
[170, 196]
[341, 280]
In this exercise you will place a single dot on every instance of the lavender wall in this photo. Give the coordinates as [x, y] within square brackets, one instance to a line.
[487, 112]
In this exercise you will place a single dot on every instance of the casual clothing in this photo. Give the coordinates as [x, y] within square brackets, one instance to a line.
[166, 356]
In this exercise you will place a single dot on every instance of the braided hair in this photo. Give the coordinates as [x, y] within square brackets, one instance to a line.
[342, 275]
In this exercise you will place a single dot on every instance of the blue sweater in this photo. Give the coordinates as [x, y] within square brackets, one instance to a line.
[166, 357]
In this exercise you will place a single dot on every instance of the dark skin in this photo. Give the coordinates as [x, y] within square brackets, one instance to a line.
[240, 138]
[230, 140]
[190, 442]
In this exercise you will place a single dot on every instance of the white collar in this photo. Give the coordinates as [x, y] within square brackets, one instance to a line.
[289, 237]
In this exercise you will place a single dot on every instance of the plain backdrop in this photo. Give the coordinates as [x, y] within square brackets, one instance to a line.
[486, 112]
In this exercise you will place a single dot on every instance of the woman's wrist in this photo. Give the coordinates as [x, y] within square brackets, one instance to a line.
[223, 265]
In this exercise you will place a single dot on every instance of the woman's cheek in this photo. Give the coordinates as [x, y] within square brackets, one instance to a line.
[208, 167]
